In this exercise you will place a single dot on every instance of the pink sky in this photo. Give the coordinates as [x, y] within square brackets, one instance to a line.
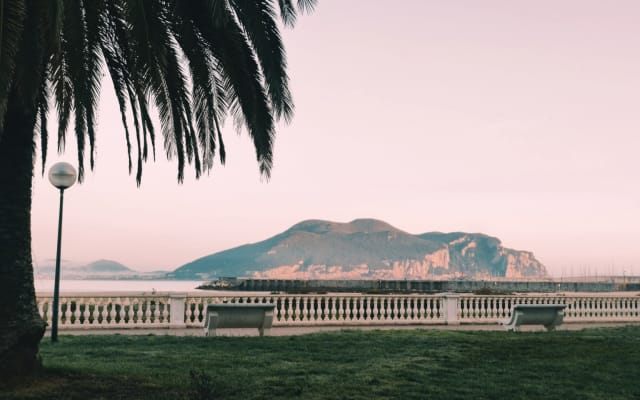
[518, 119]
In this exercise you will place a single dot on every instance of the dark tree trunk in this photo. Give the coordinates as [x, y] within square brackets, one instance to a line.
[21, 327]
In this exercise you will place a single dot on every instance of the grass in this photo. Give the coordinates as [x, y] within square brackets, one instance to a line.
[419, 364]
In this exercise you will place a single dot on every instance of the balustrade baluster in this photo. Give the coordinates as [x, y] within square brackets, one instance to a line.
[118, 306]
[321, 302]
[572, 308]
[346, 308]
[304, 309]
[340, 308]
[304, 301]
[428, 308]
[581, 307]
[384, 308]
[97, 312]
[413, 303]
[286, 309]
[111, 311]
[188, 312]
[88, 310]
[613, 308]
[319, 309]
[367, 307]
[312, 309]
[494, 308]
[394, 308]
[128, 311]
[375, 309]
[351, 309]
[463, 310]
[74, 312]
[475, 306]
[142, 312]
[334, 309]
[296, 309]
[154, 311]
[164, 316]
[103, 310]
[347, 303]
[136, 312]
[355, 308]
[424, 312]
[41, 310]
[402, 310]
[621, 308]
[65, 312]
[607, 308]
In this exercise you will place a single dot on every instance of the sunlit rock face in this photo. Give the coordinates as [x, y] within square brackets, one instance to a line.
[366, 249]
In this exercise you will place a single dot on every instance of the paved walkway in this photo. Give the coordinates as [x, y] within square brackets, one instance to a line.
[302, 330]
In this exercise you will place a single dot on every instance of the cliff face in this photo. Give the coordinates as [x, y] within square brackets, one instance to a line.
[365, 249]
[481, 256]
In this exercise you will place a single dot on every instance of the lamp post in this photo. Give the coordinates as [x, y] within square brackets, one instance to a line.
[61, 175]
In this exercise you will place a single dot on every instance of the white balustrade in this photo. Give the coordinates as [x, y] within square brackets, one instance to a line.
[107, 310]
[178, 310]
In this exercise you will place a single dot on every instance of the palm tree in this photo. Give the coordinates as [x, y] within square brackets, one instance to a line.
[195, 61]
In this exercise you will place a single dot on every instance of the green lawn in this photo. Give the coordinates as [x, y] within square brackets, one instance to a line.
[433, 364]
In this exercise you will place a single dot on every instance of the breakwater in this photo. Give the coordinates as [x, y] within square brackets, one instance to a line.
[423, 286]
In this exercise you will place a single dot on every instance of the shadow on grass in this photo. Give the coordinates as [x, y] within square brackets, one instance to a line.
[62, 384]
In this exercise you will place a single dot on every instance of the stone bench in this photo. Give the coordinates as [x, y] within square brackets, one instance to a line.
[549, 315]
[238, 315]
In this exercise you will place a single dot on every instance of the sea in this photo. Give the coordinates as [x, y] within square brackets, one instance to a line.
[86, 285]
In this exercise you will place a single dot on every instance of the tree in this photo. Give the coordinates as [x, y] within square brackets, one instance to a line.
[196, 61]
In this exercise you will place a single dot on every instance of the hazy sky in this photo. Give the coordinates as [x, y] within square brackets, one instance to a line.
[518, 119]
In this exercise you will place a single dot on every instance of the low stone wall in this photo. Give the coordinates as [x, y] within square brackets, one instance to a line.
[179, 310]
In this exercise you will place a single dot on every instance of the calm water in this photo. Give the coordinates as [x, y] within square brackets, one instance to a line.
[68, 285]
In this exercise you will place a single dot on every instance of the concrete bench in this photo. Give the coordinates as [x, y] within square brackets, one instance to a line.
[238, 315]
[549, 315]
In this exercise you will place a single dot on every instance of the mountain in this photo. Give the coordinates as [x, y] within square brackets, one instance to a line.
[105, 267]
[365, 249]
[100, 269]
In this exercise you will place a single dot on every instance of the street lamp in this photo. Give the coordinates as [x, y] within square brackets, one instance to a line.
[61, 175]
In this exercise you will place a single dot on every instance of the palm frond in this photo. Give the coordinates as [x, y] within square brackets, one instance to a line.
[257, 19]
[203, 84]
[75, 51]
[43, 111]
[287, 12]
[194, 61]
[241, 79]
[243, 82]
[117, 74]
[307, 6]
[94, 26]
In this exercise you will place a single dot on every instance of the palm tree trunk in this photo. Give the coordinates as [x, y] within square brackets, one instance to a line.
[21, 327]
